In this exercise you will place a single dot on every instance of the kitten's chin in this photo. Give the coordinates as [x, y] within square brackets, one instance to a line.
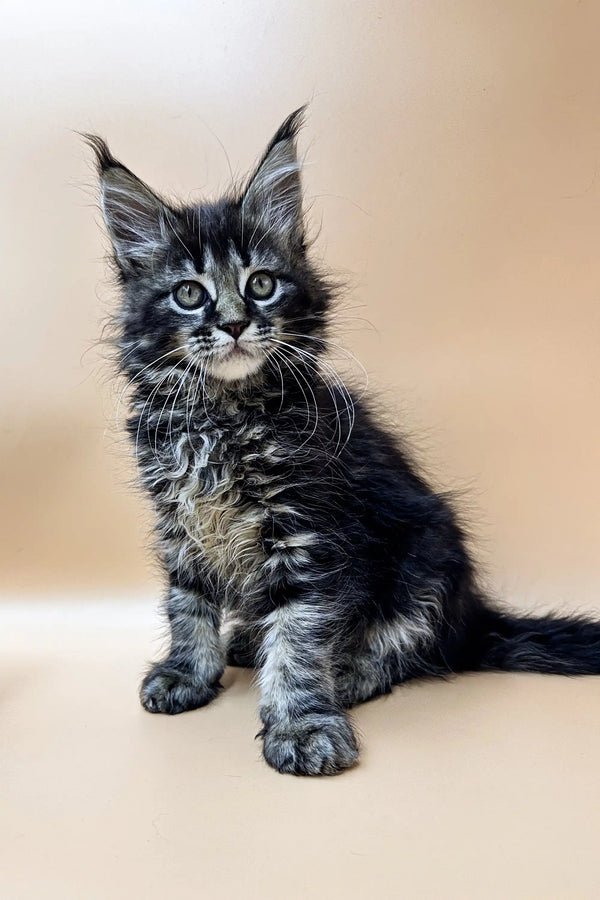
[235, 366]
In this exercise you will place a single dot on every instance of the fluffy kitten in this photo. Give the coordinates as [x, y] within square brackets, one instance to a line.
[280, 501]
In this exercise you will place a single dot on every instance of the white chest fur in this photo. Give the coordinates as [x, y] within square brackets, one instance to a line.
[204, 490]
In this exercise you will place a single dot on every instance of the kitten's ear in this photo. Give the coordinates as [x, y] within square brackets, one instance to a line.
[136, 218]
[274, 192]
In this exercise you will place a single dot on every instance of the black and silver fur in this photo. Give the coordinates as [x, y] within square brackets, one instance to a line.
[295, 534]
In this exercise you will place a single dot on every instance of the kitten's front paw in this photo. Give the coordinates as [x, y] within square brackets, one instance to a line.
[313, 745]
[170, 691]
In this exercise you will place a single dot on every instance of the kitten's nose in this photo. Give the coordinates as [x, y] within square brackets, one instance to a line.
[235, 328]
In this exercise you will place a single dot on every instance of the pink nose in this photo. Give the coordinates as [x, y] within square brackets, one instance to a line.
[235, 328]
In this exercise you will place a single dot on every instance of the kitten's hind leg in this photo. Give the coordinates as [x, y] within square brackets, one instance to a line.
[189, 676]
[363, 676]
[391, 653]
[242, 642]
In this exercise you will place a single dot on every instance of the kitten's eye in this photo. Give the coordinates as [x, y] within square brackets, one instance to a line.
[190, 295]
[260, 286]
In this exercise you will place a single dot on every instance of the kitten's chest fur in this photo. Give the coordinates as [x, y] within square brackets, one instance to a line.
[215, 487]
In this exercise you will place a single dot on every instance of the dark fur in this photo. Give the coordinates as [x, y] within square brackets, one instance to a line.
[281, 502]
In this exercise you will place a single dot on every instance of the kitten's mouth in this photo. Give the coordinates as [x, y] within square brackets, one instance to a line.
[233, 351]
[235, 362]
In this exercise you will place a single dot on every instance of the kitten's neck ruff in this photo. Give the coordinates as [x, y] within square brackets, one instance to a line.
[271, 389]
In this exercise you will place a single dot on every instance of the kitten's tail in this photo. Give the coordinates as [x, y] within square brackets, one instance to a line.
[559, 645]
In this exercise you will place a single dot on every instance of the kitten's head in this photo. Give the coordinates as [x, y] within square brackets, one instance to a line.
[214, 286]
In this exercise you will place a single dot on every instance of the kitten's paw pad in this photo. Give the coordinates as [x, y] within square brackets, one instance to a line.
[166, 690]
[312, 745]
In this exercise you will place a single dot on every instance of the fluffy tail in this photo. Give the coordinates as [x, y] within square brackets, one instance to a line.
[559, 645]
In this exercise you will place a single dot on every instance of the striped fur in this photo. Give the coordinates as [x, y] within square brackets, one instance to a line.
[295, 533]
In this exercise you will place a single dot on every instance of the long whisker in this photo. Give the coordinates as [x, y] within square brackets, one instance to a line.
[295, 372]
[274, 359]
[137, 376]
[327, 342]
[329, 388]
[191, 399]
[169, 435]
[319, 375]
[149, 399]
[345, 395]
[203, 374]
[314, 363]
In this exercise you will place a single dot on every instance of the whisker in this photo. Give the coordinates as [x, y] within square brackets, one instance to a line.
[169, 434]
[294, 371]
[313, 362]
[327, 342]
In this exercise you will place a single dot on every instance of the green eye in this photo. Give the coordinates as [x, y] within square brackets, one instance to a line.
[190, 295]
[260, 285]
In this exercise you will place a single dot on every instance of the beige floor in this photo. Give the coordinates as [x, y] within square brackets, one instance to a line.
[483, 787]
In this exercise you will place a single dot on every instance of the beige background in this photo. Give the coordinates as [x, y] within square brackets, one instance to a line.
[452, 162]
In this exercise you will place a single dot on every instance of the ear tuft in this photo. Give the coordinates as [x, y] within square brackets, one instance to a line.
[288, 130]
[104, 158]
[273, 195]
[136, 217]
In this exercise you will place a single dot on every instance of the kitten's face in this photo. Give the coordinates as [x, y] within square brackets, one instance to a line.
[218, 288]
[223, 311]
[217, 296]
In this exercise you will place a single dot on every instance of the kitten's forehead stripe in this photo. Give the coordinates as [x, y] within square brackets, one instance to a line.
[208, 258]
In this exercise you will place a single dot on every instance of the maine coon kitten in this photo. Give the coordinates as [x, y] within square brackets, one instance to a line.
[281, 503]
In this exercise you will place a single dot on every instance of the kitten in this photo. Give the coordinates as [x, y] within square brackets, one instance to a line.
[281, 503]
